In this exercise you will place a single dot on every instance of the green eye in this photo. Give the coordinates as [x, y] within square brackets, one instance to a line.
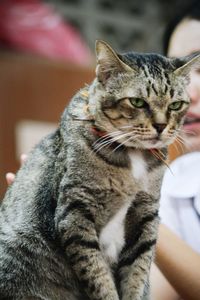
[176, 105]
[137, 102]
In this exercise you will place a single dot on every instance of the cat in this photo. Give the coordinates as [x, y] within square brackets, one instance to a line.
[80, 220]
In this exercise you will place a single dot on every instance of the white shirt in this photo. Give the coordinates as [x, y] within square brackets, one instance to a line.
[180, 198]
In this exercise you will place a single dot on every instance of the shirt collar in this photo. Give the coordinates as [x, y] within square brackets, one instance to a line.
[197, 203]
[182, 180]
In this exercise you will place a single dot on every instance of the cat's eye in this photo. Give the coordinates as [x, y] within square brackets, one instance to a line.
[177, 105]
[137, 102]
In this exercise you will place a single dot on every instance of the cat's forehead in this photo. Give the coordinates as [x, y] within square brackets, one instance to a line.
[154, 79]
[154, 64]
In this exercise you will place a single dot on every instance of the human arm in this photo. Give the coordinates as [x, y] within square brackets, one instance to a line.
[160, 287]
[179, 263]
[172, 207]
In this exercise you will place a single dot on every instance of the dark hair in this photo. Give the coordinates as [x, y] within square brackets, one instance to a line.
[191, 11]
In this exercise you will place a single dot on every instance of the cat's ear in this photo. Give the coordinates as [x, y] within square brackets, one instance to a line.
[190, 63]
[108, 62]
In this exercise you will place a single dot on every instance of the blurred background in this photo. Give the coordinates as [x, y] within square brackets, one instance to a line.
[47, 53]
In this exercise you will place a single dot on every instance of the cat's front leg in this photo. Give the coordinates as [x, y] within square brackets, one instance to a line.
[141, 226]
[76, 227]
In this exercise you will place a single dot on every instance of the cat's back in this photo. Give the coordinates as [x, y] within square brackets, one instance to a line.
[32, 192]
[31, 261]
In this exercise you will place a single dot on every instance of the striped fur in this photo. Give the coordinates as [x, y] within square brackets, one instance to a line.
[80, 221]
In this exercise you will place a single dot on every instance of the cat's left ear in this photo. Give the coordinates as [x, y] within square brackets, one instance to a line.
[108, 62]
[191, 63]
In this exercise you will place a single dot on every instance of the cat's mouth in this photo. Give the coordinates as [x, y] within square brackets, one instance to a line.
[152, 140]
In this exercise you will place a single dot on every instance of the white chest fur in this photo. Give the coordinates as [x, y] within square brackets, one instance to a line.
[138, 164]
[112, 235]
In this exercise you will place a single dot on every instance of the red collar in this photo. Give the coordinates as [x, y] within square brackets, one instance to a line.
[98, 132]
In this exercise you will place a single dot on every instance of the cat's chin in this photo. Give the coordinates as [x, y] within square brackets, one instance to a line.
[152, 144]
[156, 143]
[147, 144]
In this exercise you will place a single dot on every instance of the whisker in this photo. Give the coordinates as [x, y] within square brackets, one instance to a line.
[106, 136]
[122, 144]
[182, 139]
[187, 145]
[183, 142]
[161, 153]
[176, 147]
[187, 131]
[180, 145]
[115, 139]
[157, 153]
[115, 133]
[111, 138]
[99, 146]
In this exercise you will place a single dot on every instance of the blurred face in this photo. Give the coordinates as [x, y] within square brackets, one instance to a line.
[186, 40]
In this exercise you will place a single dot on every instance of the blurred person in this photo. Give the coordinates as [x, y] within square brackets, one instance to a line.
[177, 255]
[183, 38]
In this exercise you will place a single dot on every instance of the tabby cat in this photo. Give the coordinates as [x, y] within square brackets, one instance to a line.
[80, 220]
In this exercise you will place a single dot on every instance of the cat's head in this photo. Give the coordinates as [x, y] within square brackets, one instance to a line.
[140, 100]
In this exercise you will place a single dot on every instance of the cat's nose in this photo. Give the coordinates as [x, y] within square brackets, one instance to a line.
[159, 127]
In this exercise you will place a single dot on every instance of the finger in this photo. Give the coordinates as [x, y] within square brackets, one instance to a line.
[23, 158]
[10, 177]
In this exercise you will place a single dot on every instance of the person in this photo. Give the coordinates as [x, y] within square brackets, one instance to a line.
[178, 249]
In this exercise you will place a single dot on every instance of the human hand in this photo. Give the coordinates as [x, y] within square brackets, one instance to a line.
[10, 177]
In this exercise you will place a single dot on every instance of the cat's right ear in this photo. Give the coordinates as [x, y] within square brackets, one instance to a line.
[191, 62]
[108, 62]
